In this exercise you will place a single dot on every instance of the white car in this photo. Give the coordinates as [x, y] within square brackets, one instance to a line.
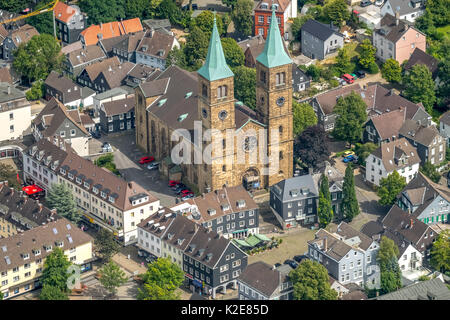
[379, 3]
[153, 166]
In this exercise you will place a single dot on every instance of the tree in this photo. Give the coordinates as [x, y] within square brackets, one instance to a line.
[419, 86]
[350, 205]
[196, 47]
[161, 280]
[311, 147]
[35, 59]
[105, 244]
[42, 22]
[14, 6]
[60, 198]
[297, 24]
[205, 22]
[430, 171]
[336, 11]
[367, 55]
[242, 16]
[351, 111]
[325, 211]
[168, 9]
[233, 53]
[314, 72]
[311, 282]
[55, 269]
[343, 63]
[387, 260]
[391, 71]
[245, 85]
[112, 277]
[100, 11]
[176, 57]
[36, 92]
[364, 150]
[304, 116]
[229, 3]
[8, 173]
[440, 252]
[141, 8]
[390, 187]
[49, 292]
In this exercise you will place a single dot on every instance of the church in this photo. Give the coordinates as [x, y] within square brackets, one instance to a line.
[182, 104]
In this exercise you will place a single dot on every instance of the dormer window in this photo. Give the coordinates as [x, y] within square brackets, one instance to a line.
[225, 207]
[48, 247]
[241, 204]
[211, 212]
[78, 180]
[59, 244]
[111, 199]
[70, 176]
[36, 252]
[103, 195]
[63, 172]
[25, 256]
[95, 190]
[86, 185]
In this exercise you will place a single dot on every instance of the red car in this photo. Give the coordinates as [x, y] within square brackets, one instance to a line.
[144, 160]
[348, 78]
[173, 183]
[185, 191]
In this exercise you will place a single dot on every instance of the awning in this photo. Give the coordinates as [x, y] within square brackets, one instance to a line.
[29, 190]
[241, 243]
[262, 237]
[253, 241]
[197, 283]
[237, 231]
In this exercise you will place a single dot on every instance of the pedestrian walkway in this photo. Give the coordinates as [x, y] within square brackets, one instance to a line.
[129, 265]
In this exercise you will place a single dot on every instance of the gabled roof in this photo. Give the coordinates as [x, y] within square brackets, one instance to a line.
[129, 42]
[141, 71]
[445, 118]
[159, 222]
[181, 231]
[70, 90]
[388, 124]
[434, 289]
[318, 29]
[281, 5]
[23, 34]
[85, 55]
[391, 152]
[115, 74]
[420, 57]
[64, 13]
[390, 30]
[5, 75]
[296, 188]
[335, 248]
[403, 7]
[156, 44]
[108, 30]
[116, 107]
[261, 277]
[95, 69]
[419, 133]
[347, 232]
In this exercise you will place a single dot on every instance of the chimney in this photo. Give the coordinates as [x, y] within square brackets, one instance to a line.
[52, 212]
[9, 89]
[412, 223]
[391, 92]
[101, 26]
[325, 244]
[310, 170]
[40, 207]
[152, 32]
[397, 18]
[12, 191]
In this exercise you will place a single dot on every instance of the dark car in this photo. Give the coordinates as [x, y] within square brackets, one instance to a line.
[96, 134]
[365, 3]
[292, 263]
[448, 179]
[276, 265]
[300, 258]
[360, 74]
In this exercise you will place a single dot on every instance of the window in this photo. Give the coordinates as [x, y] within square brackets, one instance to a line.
[261, 19]
[72, 132]
[280, 78]
[11, 128]
[262, 76]
[222, 92]
[11, 116]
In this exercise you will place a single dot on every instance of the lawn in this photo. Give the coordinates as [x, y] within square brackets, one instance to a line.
[445, 30]
[107, 161]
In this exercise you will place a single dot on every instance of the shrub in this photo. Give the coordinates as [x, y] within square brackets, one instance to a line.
[326, 74]
[373, 68]
[36, 92]
[333, 83]
[314, 72]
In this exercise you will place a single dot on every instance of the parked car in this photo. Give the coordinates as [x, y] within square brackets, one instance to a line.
[292, 263]
[361, 74]
[347, 153]
[300, 258]
[365, 3]
[353, 75]
[348, 78]
[188, 196]
[106, 147]
[96, 134]
[153, 166]
[379, 3]
[83, 226]
[173, 183]
[179, 187]
[183, 191]
[276, 265]
[350, 158]
[151, 258]
[145, 160]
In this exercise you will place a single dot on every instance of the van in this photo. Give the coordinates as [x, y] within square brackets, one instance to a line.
[348, 78]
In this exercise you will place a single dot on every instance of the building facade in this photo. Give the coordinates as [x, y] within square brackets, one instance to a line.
[320, 40]
[117, 115]
[69, 21]
[15, 112]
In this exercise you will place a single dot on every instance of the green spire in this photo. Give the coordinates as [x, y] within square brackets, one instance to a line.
[215, 67]
[274, 54]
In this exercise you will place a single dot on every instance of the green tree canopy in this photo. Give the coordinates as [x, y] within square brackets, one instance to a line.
[15, 6]
[336, 11]
[55, 270]
[60, 198]
[304, 116]
[244, 85]
[391, 71]
[420, 87]
[325, 211]
[144, 9]
[314, 72]
[49, 292]
[367, 55]
[112, 277]
[229, 3]
[196, 47]
[8, 173]
[105, 244]
[351, 111]
[35, 59]
[177, 57]
[390, 187]
[233, 53]
[297, 24]
[350, 205]
[242, 16]
[168, 9]
[100, 11]
[387, 260]
[205, 22]
[311, 282]
[430, 171]
[36, 92]
[42, 22]
[343, 63]
[161, 280]
[440, 252]
[364, 150]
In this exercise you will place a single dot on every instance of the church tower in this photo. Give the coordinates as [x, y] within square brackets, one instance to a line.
[216, 110]
[274, 102]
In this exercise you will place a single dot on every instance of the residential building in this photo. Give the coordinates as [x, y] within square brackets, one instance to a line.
[125, 49]
[15, 112]
[378, 99]
[371, 18]
[176, 99]
[336, 183]
[77, 60]
[347, 254]
[427, 140]
[163, 25]
[384, 127]
[434, 289]
[56, 119]
[427, 201]
[444, 127]
[355, 292]
[260, 281]
[300, 80]
[408, 10]
[94, 33]
[294, 201]
[139, 74]
[106, 200]
[284, 10]
[5, 75]
[154, 47]
[23, 255]
[252, 48]
[421, 57]
[67, 92]
[69, 21]
[19, 213]
[320, 40]
[212, 262]
[15, 38]
[107, 96]
[398, 155]
[152, 230]
[396, 39]
[117, 115]
[230, 211]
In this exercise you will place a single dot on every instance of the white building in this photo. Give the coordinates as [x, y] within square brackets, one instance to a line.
[398, 155]
[408, 10]
[15, 112]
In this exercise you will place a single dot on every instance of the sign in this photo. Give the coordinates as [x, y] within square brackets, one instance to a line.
[189, 276]
[197, 283]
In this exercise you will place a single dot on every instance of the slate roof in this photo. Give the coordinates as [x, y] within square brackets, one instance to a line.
[129, 42]
[318, 29]
[159, 222]
[14, 94]
[64, 85]
[116, 107]
[445, 118]
[110, 30]
[23, 34]
[388, 124]
[347, 232]
[261, 277]
[95, 69]
[158, 45]
[296, 188]
[141, 71]
[157, 23]
[390, 153]
[403, 7]
[181, 231]
[115, 74]
[419, 133]
[420, 57]
[390, 30]
[5, 75]
[85, 55]
[336, 248]
[434, 289]
[37, 238]
[255, 45]
[111, 93]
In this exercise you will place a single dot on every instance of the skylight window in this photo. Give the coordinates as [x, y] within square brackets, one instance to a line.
[161, 102]
[182, 117]
[55, 231]
[188, 95]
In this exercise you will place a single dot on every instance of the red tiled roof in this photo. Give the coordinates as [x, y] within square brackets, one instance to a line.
[63, 12]
[110, 30]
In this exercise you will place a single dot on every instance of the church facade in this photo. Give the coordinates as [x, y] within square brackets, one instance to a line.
[176, 110]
